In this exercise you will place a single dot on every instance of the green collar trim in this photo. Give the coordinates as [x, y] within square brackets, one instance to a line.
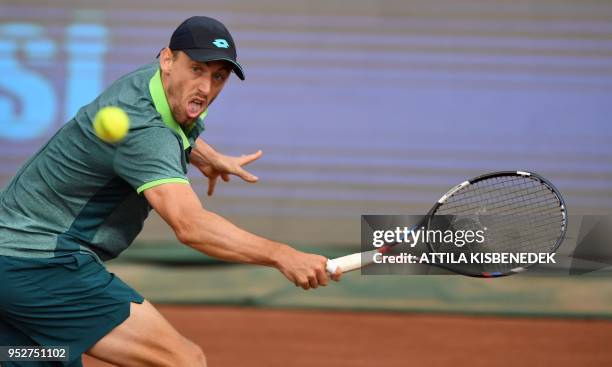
[160, 102]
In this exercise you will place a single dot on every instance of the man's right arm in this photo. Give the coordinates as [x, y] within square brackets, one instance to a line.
[213, 235]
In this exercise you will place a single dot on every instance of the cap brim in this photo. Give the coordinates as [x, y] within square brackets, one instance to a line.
[205, 55]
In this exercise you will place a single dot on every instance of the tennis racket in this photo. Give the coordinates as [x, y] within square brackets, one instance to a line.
[520, 211]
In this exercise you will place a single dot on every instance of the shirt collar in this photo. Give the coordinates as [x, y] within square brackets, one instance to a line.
[161, 105]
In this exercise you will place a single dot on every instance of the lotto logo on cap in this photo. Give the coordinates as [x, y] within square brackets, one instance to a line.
[221, 43]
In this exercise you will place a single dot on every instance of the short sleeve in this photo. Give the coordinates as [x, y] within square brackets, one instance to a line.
[150, 157]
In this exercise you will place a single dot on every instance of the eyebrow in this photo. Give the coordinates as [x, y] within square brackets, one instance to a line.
[200, 64]
[226, 68]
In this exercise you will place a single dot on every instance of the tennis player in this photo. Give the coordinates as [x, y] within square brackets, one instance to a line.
[80, 201]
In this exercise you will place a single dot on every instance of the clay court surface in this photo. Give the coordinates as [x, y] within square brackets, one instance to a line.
[270, 337]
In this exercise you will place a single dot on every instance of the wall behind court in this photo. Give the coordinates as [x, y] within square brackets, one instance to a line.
[372, 107]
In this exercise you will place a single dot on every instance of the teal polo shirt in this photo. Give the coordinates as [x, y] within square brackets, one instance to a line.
[80, 194]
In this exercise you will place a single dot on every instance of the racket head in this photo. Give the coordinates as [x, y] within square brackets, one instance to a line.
[518, 211]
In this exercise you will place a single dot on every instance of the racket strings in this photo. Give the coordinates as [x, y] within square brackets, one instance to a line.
[499, 196]
[520, 214]
[497, 201]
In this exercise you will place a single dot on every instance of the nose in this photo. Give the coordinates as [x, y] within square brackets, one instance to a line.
[205, 84]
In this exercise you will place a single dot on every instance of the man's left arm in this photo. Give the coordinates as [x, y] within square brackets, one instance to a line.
[214, 164]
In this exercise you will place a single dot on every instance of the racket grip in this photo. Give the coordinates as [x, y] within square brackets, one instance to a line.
[349, 262]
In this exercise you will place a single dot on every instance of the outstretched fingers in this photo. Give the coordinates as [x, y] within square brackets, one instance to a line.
[248, 158]
[212, 182]
[243, 161]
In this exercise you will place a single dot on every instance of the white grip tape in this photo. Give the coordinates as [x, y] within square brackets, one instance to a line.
[350, 262]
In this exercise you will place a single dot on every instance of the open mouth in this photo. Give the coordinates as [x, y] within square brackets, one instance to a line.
[195, 107]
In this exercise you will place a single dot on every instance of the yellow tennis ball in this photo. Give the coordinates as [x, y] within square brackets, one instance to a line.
[111, 124]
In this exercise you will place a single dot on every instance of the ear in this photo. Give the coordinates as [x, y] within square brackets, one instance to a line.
[165, 60]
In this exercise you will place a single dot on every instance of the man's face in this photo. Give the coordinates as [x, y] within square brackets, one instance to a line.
[191, 86]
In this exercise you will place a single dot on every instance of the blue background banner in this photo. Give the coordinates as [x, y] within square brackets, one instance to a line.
[376, 108]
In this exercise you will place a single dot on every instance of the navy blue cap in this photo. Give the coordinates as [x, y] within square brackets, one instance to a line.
[206, 39]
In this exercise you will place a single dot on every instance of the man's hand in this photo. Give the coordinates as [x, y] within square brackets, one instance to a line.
[303, 269]
[213, 165]
[223, 166]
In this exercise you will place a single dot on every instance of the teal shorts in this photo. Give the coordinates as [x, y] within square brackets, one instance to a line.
[70, 301]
